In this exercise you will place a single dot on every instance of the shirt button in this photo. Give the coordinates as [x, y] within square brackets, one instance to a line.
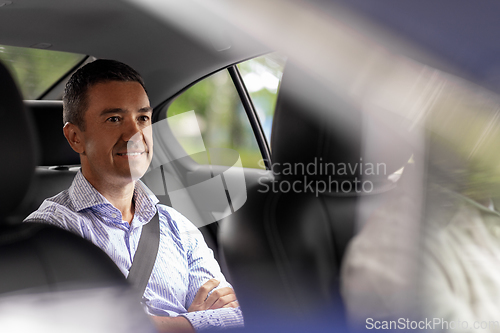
[113, 215]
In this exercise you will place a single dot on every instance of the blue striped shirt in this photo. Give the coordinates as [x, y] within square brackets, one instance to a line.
[184, 261]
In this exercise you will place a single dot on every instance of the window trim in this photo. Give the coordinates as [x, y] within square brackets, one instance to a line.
[56, 90]
[247, 102]
[162, 108]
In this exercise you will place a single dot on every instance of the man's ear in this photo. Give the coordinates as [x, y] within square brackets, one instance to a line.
[74, 136]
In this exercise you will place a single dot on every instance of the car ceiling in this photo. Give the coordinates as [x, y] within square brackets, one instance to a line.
[461, 34]
[456, 36]
[169, 59]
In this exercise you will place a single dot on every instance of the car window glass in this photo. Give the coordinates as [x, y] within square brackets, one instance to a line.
[262, 77]
[36, 70]
[220, 118]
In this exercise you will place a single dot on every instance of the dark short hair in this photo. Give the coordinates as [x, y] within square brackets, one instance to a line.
[75, 101]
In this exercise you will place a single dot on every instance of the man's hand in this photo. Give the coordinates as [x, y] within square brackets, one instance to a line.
[220, 298]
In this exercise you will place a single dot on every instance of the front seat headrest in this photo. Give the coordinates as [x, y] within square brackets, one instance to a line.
[313, 126]
[17, 146]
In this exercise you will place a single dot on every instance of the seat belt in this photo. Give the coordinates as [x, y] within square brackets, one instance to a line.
[145, 256]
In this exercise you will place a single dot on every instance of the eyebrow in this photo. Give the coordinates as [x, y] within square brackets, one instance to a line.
[118, 110]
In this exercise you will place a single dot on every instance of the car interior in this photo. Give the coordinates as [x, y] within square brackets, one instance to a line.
[235, 108]
[277, 243]
[49, 164]
[39, 256]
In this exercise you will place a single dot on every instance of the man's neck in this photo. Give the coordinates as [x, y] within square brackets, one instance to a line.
[120, 196]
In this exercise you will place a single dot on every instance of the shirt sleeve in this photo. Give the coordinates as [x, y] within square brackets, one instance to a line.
[203, 267]
[219, 318]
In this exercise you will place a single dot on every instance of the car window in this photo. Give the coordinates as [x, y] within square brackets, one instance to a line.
[36, 70]
[220, 118]
[262, 77]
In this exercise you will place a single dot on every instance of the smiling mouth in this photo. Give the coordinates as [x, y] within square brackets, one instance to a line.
[130, 154]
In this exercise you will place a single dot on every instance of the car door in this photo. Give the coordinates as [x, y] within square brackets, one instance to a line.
[212, 141]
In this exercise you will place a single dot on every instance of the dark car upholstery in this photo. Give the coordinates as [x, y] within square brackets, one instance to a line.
[55, 157]
[36, 256]
[55, 150]
[284, 247]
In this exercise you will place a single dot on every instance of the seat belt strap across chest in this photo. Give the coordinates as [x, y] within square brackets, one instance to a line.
[145, 256]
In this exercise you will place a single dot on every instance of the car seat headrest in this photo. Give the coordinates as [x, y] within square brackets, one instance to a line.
[327, 135]
[17, 145]
[55, 149]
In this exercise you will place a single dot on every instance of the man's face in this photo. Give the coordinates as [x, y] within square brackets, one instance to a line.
[117, 142]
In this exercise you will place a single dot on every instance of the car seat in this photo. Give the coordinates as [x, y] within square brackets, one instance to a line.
[57, 163]
[33, 256]
[284, 247]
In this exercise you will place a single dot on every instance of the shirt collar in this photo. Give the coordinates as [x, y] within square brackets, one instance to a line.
[83, 195]
[145, 203]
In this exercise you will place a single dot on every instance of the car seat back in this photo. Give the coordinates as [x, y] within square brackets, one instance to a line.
[284, 248]
[57, 163]
[35, 256]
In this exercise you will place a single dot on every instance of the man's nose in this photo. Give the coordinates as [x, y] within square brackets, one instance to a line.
[132, 131]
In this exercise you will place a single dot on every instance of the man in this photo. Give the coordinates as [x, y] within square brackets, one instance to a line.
[107, 119]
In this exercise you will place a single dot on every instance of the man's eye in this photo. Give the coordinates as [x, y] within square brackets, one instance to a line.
[144, 118]
[113, 119]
